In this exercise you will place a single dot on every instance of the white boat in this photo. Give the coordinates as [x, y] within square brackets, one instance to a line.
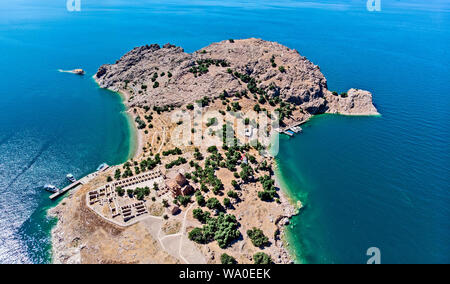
[102, 167]
[71, 178]
[51, 188]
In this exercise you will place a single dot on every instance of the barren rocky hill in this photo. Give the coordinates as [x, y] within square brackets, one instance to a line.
[155, 75]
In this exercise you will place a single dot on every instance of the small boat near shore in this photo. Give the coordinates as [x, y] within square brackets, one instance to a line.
[51, 188]
[71, 178]
[102, 167]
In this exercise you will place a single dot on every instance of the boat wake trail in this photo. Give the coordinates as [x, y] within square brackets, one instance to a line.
[44, 147]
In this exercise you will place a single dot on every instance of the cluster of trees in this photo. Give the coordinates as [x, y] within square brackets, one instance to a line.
[140, 123]
[214, 204]
[165, 108]
[236, 106]
[222, 229]
[207, 175]
[202, 65]
[198, 155]
[285, 110]
[177, 162]
[127, 170]
[140, 193]
[183, 200]
[155, 76]
[204, 101]
[149, 163]
[269, 192]
[117, 174]
[175, 151]
[246, 173]
[257, 237]
[232, 194]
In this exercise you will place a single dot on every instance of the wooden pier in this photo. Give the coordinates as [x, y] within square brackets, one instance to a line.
[66, 189]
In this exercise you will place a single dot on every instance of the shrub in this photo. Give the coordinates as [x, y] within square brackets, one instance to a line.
[262, 258]
[227, 259]
[282, 69]
[211, 122]
[155, 85]
[258, 238]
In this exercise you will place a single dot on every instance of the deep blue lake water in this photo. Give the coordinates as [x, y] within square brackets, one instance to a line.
[366, 181]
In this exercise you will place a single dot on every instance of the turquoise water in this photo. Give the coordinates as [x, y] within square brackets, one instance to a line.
[365, 181]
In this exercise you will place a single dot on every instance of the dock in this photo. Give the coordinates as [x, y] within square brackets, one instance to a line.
[66, 189]
[291, 130]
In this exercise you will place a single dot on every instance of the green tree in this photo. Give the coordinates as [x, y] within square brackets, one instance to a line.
[120, 191]
[258, 238]
[262, 258]
[227, 259]
[213, 203]
[227, 202]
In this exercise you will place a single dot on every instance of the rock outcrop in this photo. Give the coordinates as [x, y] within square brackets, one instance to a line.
[355, 102]
[169, 76]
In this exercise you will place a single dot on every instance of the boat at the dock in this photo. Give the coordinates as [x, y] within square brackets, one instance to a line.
[102, 167]
[51, 188]
[70, 178]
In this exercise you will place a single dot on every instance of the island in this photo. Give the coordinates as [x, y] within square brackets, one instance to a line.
[201, 187]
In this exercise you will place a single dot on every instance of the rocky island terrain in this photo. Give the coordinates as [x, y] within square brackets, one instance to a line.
[182, 199]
